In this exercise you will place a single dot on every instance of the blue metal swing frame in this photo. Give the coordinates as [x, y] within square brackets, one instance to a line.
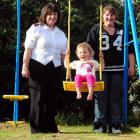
[129, 15]
[16, 90]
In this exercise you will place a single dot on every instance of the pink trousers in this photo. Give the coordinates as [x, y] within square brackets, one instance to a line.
[90, 79]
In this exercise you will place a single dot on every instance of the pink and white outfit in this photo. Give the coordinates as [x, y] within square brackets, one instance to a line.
[85, 71]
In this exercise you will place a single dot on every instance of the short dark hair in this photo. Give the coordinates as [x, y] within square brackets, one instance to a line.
[111, 8]
[47, 9]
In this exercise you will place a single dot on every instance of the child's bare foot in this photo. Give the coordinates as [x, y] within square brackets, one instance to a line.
[90, 97]
[79, 96]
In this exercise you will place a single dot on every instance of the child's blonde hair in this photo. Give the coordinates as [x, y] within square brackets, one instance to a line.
[85, 45]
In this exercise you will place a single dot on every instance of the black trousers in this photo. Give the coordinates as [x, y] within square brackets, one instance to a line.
[44, 83]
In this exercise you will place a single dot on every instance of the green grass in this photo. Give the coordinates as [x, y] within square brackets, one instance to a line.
[77, 132]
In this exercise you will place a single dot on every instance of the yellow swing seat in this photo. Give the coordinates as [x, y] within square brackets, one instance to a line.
[70, 86]
[13, 123]
[15, 97]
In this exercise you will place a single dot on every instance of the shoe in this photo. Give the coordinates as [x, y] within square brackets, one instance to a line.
[53, 131]
[100, 127]
[116, 128]
[34, 131]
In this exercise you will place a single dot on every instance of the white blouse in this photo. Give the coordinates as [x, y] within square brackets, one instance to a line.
[46, 44]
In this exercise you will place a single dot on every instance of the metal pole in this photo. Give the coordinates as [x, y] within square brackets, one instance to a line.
[125, 85]
[134, 33]
[16, 90]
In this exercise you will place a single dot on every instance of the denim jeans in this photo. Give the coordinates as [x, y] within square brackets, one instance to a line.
[108, 103]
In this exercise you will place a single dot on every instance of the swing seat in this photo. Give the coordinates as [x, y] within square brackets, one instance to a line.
[70, 86]
[15, 97]
[14, 123]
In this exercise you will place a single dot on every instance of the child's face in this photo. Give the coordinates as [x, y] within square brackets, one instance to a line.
[83, 54]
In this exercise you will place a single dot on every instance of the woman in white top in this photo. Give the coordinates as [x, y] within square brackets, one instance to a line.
[45, 47]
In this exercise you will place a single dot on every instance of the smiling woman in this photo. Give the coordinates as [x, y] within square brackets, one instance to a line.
[45, 47]
[108, 104]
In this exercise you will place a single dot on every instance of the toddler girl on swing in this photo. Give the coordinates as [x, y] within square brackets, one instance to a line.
[85, 67]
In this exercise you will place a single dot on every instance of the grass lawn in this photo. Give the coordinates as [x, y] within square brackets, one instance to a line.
[77, 132]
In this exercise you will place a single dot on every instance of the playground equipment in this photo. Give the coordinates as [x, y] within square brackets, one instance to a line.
[129, 16]
[99, 86]
[69, 85]
[16, 97]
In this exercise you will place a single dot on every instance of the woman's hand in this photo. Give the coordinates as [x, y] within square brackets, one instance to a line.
[67, 52]
[25, 72]
[101, 56]
[66, 59]
[131, 71]
[26, 58]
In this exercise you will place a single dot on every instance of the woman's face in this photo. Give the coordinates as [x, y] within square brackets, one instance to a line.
[108, 18]
[51, 19]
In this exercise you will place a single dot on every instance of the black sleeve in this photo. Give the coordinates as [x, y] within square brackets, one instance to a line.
[131, 49]
[131, 46]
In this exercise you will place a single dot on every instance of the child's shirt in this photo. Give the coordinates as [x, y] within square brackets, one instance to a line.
[85, 67]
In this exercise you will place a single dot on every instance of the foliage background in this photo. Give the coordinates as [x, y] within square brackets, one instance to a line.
[85, 13]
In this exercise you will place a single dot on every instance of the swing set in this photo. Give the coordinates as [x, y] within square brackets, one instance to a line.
[99, 85]
[69, 85]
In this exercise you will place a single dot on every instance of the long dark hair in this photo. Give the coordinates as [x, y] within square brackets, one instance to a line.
[47, 9]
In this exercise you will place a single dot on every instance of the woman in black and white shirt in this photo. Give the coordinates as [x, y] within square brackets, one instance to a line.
[45, 47]
[108, 104]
